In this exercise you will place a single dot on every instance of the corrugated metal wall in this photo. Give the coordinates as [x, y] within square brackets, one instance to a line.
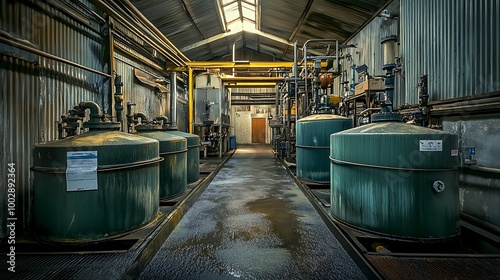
[63, 86]
[369, 50]
[34, 95]
[20, 107]
[147, 99]
[455, 42]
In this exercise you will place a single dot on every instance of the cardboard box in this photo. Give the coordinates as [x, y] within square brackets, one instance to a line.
[371, 84]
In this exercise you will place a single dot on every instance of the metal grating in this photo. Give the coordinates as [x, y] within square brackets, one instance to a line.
[420, 268]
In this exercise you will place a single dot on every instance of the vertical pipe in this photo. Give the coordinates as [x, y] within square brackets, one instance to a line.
[388, 45]
[173, 98]
[111, 67]
[277, 99]
[191, 101]
[234, 54]
[304, 48]
[222, 92]
[119, 100]
[353, 77]
[288, 126]
[296, 80]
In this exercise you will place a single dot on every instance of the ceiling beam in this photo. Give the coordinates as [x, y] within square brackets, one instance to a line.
[222, 15]
[258, 12]
[269, 36]
[231, 32]
[299, 23]
[209, 40]
[188, 14]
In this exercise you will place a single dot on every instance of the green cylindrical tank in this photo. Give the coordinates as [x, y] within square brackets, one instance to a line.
[173, 169]
[193, 154]
[313, 145]
[127, 186]
[396, 179]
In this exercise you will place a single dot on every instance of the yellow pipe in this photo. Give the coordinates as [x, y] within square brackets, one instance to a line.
[191, 101]
[249, 84]
[253, 79]
[245, 64]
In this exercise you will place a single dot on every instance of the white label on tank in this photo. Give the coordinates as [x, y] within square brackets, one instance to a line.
[431, 145]
[454, 153]
[81, 171]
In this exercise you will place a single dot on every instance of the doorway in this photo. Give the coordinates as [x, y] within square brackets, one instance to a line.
[259, 130]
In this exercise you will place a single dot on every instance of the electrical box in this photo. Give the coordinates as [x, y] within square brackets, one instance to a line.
[369, 85]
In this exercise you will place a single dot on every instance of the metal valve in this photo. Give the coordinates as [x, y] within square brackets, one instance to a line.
[438, 186]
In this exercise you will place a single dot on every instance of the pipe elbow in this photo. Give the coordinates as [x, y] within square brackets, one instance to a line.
[95, 110]
[143, 117]
[162, 118]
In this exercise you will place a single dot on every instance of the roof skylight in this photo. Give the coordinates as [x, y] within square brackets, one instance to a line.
[239, 14]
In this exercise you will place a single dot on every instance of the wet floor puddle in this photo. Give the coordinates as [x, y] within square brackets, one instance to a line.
[283, 223]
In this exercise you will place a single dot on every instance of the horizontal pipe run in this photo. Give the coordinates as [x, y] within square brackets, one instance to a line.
[466, 109]
[83, 20]
[253, 102]
[155, 31]
[253, 79]
[110, 11]
[484, 168]
[51, 56]
[466, 98]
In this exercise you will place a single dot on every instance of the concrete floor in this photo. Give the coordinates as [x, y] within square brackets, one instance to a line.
[252, 222]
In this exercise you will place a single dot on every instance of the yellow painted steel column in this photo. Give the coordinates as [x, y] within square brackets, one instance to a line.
[190, 101]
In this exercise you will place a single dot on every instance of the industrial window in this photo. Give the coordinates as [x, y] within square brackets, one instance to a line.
[239, 14]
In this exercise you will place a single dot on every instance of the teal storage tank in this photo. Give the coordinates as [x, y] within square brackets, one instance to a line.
[396, 179]
[71, 206]
[313, 145]
[193, 154]
[173, 168]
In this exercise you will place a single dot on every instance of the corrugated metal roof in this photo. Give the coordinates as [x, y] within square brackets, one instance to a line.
[196, 27]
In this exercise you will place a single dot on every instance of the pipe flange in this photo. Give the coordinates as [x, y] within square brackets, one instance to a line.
[102, 125]
[438, 186]
[393, 38]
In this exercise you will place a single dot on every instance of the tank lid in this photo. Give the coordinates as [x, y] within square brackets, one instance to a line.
[322, 117]
[386, 117]
[149, 127]
[169, 127]
[102, 125]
